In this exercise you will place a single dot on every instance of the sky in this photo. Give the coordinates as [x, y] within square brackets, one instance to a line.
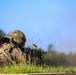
[43, 22]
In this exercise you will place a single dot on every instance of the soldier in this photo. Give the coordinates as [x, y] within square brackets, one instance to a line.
[10, 48]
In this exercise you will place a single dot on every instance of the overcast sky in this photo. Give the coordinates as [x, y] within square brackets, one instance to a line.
[43, 22]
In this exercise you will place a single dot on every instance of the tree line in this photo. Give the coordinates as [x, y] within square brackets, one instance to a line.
[54, 58]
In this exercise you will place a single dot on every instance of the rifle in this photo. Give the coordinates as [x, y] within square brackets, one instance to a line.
[33, 53]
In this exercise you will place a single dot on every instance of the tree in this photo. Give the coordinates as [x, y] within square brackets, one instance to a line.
[50, 47]
[2, 34]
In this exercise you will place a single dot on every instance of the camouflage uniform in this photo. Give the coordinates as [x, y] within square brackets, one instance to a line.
[10, 48]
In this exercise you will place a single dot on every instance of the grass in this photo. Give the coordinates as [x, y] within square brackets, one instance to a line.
[21, 69]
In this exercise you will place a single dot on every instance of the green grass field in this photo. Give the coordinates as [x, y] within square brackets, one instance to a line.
[21, 69]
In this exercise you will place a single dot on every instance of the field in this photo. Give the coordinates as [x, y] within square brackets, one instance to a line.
[21, 69]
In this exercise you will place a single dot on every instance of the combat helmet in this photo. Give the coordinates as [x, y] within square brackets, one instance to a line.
[18, 37]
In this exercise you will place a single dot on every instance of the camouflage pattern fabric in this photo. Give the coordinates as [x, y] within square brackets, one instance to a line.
[5, 57]
[10, 54]
[18, 56]
[18, 37]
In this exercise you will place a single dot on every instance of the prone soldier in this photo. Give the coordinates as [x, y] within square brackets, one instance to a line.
[12, 50]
